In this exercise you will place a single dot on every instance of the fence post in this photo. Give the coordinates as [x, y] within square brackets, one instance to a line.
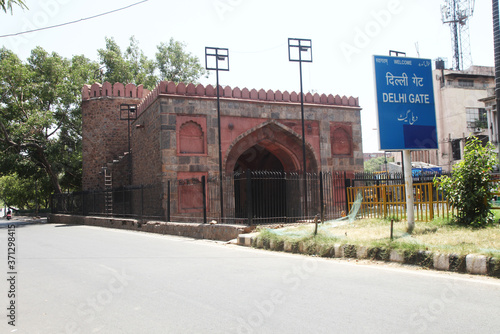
[249, 198]
[168, 201]
[347, 184]
[384, 200]
[142, 201]
[83, 203]
[204, 191]
[321, 197]
[124, 202]
[430, 193]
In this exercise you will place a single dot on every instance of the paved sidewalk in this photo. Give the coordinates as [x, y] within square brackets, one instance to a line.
[22, 220]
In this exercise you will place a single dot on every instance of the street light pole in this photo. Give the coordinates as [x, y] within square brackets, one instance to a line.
[222, 55]
[302, 46]
[128, 112]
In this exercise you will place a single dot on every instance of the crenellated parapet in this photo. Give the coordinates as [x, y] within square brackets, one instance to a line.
[117, 90]
[181, 89]
[209, 91]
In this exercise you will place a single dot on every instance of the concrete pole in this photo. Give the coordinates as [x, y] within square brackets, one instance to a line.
[410, 214]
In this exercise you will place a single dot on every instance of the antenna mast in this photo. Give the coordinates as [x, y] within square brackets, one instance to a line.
[457, 13]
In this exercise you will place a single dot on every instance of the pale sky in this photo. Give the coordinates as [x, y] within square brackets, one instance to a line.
[345, 35]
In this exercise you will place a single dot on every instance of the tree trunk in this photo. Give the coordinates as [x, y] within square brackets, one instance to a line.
[50, 172]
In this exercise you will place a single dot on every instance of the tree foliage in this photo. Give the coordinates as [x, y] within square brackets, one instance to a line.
[469, 188]
[40, 116]
[376, 164]
[6, 5]
[132, 66]
[24, 192]
[177, 65]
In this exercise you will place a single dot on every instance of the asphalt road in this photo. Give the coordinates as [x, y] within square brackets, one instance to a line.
[80, 279]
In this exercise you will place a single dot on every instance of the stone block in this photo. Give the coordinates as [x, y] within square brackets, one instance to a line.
[476, 264]
[302, 247]
[339, 250]
[362, 252]
[246, 239]
[395, 256]
[441, 261]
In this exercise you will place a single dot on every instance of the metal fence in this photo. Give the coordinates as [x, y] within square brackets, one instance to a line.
[257, 197]
[384, 178]
[131, 201]
[389, 201]
[250, 198]
[264, 197]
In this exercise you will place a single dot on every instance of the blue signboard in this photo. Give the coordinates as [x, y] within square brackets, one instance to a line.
[405, 102]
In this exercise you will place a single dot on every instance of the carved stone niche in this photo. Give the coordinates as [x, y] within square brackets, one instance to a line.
[341, 139]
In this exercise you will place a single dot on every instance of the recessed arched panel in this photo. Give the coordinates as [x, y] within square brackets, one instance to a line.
[191, 138]
[341, 139]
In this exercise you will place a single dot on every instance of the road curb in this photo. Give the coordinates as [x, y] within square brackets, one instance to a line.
[471, 264]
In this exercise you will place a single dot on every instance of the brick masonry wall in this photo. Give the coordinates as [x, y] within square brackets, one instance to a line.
[146, 141]
[104, 137]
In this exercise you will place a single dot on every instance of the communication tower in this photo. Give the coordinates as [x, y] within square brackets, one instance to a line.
[457, 13]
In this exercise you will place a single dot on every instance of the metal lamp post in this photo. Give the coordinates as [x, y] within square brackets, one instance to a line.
[217, 59]
[300, 50]
[128, 112]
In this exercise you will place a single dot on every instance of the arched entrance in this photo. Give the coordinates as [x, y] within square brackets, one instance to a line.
[281, 141]
[258, 158]
[262, 161]
[259, 182]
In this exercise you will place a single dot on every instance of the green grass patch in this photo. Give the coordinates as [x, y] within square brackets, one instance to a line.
[436, 236]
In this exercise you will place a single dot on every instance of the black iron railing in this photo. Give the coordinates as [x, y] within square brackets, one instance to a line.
[250, 198]
[131, 201]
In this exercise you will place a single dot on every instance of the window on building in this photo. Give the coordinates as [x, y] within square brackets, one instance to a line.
[465, 83]
[455, 149]
[476, 118]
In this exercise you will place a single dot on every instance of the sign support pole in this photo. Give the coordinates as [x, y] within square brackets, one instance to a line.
[410, 213]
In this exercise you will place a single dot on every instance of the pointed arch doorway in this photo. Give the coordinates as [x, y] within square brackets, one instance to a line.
[264, 162]
[260, 182]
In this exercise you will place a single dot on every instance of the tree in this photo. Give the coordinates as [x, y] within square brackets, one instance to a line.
[374, 164]
[40, 116]
[469, 187]
[141, 68]
[114, 63]
[24, 192]
[132, 66]
[177, 65]
[7, 4]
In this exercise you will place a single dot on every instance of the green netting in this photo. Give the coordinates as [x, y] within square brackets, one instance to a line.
[352, 213]
[300, 231]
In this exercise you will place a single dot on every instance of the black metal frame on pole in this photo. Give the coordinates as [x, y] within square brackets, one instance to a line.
[218, 54]
[128, 112]
[302, 46]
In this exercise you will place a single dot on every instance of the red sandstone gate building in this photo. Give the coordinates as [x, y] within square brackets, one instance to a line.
[174, 136]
